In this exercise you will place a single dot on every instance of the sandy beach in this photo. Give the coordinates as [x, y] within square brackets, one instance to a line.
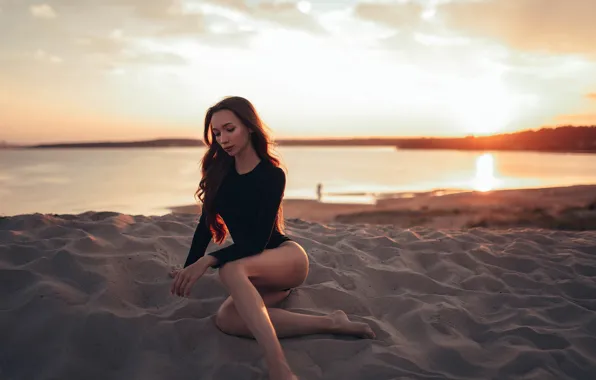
[498, 285]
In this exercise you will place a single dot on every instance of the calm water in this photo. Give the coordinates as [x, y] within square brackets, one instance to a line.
[148, 181]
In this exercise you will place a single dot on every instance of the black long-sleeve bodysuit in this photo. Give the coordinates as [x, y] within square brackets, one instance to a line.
[248, 203]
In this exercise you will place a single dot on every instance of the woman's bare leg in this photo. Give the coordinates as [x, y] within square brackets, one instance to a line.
[289, 324]
[252, 309]
[273, 269]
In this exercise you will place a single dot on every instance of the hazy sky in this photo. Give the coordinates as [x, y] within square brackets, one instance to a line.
[79, 70]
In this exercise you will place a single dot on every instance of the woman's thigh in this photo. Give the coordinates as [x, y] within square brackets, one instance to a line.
[275, 269]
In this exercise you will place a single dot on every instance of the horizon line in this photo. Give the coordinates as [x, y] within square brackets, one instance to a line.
[302, 138]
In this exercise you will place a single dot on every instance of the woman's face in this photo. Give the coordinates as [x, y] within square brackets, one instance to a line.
[229, 132]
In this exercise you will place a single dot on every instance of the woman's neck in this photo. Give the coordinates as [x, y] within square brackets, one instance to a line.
[246, 160]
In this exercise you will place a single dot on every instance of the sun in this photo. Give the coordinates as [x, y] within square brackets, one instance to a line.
[483, 107]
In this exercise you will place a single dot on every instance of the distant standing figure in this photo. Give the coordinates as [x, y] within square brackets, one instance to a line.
[241, 190]
[319, 191]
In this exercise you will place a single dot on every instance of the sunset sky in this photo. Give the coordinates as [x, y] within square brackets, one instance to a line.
[81, 70]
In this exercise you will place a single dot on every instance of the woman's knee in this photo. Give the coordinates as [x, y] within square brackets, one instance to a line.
[228, 320]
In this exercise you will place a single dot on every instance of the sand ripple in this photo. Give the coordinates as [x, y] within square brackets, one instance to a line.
[87, 296]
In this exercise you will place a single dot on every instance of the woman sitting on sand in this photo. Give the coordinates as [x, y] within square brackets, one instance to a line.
[241, 190]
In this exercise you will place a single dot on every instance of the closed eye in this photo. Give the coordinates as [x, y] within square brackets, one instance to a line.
[228, 130]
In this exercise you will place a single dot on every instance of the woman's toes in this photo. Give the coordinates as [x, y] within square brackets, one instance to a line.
[343, 325]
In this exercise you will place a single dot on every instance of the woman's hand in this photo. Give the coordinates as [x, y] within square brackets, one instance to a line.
[186, 278]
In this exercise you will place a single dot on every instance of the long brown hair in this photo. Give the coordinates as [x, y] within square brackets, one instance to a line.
[216, 162]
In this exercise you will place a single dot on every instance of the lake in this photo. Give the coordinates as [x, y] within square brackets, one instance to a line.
[148, 181]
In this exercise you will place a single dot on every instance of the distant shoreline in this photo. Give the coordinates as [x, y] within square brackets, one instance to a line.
[549, 140]
[463, 149]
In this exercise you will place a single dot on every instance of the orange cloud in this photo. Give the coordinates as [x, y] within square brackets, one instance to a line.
[578, 119]
[553, 26]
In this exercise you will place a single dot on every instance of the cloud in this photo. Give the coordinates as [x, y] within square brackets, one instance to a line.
[551, 26]
[107, 45]
[286, 14]
[577, 119]
[154, 18]
[191, 24]
[156, 9]
[149, 9]
[234, 4]
[95, 36]
[159, 58]
[43, 11]
[237, 39]
[213, 29]
[394, 15]
[117, 49]
[41, 55]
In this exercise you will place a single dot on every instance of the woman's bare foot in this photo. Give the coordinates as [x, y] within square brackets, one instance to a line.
[342, 325]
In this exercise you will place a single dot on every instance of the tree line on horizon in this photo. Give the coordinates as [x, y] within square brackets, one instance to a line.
[562, 139]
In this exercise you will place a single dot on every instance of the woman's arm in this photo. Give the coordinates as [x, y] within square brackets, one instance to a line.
[260, 230]
[200, 241]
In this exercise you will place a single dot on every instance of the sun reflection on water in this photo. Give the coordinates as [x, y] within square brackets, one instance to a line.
[485, 173]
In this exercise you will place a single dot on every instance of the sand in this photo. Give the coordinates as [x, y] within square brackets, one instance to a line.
[87, 296]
